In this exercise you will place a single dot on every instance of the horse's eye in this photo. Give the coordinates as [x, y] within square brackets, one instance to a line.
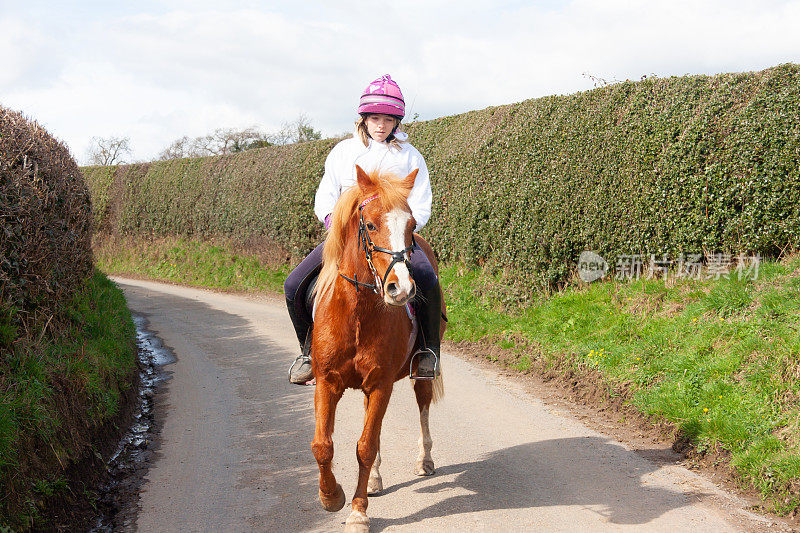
[371, 226]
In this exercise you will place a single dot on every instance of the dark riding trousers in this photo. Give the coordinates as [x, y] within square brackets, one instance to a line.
[303, 274]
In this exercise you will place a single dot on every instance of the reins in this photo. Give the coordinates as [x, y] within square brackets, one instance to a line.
[369, 247]
[358, 284]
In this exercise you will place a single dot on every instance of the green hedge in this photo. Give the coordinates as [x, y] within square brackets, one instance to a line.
[45, 226]
[265, 194]
[660, 166]
[67, 342]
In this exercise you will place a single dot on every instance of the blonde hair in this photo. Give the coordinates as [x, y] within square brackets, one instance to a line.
[361, 132]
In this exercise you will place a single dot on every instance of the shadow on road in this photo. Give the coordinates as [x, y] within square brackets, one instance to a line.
[558, 472]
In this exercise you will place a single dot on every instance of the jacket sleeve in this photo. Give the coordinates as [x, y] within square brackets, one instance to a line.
[421, 195]
[329, 188]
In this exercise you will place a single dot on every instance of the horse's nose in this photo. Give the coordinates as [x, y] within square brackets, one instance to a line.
[392, 289]
[395, 294]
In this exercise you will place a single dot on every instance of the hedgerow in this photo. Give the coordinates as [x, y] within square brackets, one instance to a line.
[45, 223]
[265, 193]
[687, 164]
[67, 350]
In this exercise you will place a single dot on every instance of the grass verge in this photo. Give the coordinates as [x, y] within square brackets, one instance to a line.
[717, 359]
[58, 387]
[203, 264]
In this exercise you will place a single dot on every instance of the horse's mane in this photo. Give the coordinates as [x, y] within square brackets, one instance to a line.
[392, 193]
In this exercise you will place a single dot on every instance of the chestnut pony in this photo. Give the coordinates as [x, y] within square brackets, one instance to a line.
[362, 336]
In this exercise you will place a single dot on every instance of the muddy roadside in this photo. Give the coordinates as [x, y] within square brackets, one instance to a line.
[126, 468]
[103, 487]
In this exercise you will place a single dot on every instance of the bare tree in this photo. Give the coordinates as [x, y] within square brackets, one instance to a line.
[220, 141]
[177, 149]
[108, 150]
[298, 131]
[226, 141]
[229, 140]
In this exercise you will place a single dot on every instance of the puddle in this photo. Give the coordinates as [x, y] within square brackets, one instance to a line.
[128, 465]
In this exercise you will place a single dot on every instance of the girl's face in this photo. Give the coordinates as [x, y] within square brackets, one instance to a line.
[380, 126]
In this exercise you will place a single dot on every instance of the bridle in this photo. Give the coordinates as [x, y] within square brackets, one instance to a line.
[365, 242]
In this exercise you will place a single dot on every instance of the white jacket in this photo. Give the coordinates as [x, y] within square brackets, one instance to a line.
[340, 173]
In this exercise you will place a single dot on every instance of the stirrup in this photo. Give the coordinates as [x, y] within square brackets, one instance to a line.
[305, 378]
[435, 364]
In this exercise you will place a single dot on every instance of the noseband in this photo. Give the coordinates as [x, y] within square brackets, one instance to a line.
[369, 247]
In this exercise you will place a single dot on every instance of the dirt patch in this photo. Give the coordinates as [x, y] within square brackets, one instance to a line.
[645, 305]
[592, 401]
[75, 507]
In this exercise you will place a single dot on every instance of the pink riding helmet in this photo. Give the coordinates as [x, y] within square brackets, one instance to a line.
[383, 96]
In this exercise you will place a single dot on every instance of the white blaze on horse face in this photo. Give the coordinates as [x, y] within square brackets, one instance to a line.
[397, 222]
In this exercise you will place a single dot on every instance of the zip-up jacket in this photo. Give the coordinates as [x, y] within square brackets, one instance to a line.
[340, 173]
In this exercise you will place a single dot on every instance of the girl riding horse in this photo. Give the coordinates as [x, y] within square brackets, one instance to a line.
[378, 148]
[363, 337]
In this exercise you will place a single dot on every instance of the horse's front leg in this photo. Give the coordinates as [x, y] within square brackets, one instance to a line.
[366, 451]
[375, 482]
[326, 397]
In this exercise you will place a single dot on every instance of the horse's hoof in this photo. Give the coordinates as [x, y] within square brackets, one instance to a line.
[424, 468]
[335, 503]
[357, 522]
[374, 485]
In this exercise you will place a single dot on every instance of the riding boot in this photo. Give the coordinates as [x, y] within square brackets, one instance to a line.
[300, 372]
[429, 316]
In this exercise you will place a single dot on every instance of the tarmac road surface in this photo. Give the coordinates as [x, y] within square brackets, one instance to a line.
[234, 450]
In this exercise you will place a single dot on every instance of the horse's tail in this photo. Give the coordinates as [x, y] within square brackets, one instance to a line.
[438, 385]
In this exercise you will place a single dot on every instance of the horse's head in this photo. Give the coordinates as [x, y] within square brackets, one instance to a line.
[386, 230]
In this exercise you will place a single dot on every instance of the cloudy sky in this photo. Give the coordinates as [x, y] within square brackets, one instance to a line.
[157, 70]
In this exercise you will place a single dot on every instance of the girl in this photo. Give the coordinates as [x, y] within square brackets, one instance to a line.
[375, 145]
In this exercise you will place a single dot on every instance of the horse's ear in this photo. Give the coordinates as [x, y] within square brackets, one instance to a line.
[410, 179]
[363, 179]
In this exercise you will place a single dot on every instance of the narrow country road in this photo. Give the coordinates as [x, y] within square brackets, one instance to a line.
[234, 451]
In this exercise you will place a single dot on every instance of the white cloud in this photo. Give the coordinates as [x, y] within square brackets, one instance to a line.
[30, 58]
[158, 70]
